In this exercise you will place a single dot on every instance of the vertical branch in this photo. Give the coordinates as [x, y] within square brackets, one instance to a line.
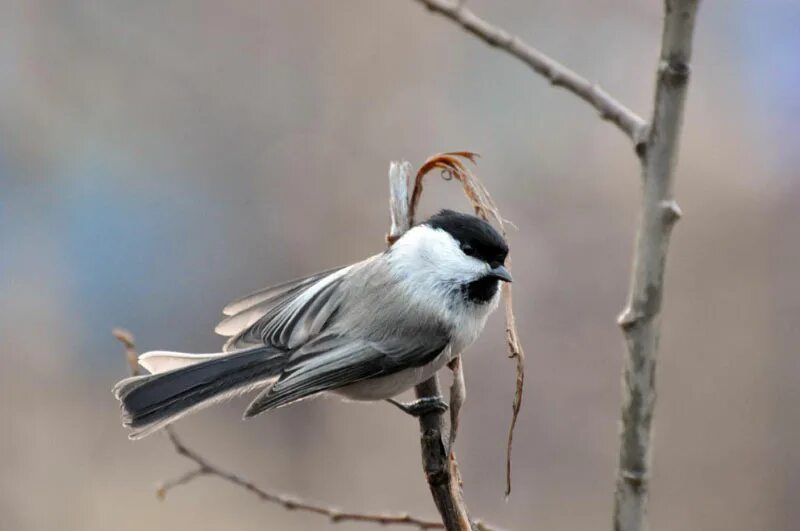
[126, 338]
[458, 394]
[399, 201]
[440, 467]
[640, 319]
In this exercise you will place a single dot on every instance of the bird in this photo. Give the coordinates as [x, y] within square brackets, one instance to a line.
[367, 331]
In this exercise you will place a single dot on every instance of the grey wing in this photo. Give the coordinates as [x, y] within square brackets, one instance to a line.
[274, 293]
[284, 316]
[334, 361]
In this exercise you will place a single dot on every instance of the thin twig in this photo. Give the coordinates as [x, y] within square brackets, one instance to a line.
[458, 394]
[205, 468]
[559, 75]
[452, 167]
[640, 320]
[170, 484]
[126, 338]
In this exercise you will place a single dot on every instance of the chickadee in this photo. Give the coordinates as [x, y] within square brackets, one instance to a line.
[367, 331]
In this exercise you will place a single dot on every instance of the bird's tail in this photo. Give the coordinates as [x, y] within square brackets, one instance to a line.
[151, 402]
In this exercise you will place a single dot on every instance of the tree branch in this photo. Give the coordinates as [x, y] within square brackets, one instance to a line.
[287, 502]
[458, 394]
[559, 75]
[640, 319]
[657, 147]
[440, 465]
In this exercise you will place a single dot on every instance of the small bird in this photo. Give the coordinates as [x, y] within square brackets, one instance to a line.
[367, 331]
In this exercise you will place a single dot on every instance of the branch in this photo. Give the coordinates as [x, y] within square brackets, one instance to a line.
[458, 394]
[440, 465]
[559, 75]
[205, 468]
[126, 338]
[639, 321]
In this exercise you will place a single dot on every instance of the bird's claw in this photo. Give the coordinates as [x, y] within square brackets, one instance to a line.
[422, 406]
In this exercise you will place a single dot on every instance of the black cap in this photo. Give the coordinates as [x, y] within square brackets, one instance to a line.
[476, 237]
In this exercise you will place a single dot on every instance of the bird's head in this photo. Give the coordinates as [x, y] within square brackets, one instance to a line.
[454, 251]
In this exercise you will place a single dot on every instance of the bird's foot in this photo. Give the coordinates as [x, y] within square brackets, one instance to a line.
[422, 406]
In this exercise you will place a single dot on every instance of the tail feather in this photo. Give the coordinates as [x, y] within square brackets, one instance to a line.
[151, 402]
[159, 361]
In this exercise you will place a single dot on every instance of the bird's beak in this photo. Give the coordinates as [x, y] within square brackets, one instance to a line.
[501, 273]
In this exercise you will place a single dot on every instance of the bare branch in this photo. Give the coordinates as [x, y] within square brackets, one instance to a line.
[399, 202]
[205, 468]
[126, 338]
[440, 466]
[559, 75]
[287, 502]
[458, 394]
[640, 319]
[170, 484]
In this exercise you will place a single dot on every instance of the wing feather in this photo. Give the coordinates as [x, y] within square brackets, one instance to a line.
[274, 292]
[287, 317]
[334, 361]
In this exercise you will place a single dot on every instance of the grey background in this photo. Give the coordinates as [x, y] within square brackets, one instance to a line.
[158, 159]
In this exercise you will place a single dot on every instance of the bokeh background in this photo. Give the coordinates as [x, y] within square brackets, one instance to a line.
[158, 159]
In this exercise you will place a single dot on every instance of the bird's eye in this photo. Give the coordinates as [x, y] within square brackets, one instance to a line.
[467, 249]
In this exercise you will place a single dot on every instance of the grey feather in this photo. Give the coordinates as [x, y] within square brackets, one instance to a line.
[288, 318]
[152, 401]
[334, 361]
[274, 292]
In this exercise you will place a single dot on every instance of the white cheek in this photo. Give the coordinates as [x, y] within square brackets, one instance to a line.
[435, 255]
[459, 267]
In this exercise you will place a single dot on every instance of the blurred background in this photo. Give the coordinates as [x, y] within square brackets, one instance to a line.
[158, 159]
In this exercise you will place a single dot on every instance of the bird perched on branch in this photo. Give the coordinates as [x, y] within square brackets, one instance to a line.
[367, 331]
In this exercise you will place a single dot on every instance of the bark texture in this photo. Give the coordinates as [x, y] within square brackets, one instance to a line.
[640, 319]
